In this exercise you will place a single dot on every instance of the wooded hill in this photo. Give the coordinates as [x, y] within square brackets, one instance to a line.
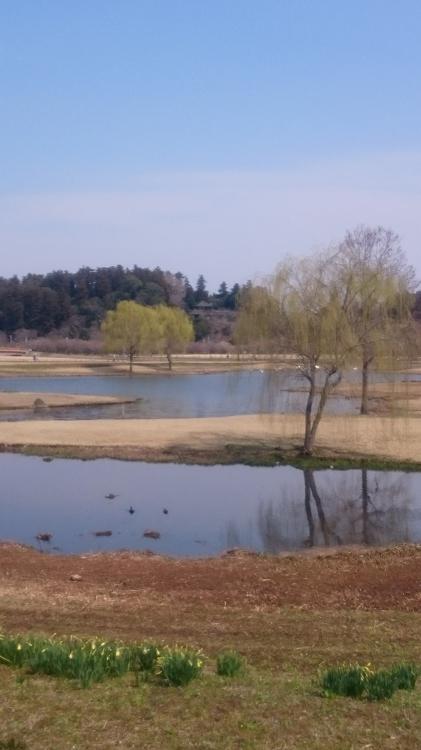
[74, 304]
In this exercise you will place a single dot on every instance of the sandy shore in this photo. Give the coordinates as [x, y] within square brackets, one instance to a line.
[393, 438]
[26, 400]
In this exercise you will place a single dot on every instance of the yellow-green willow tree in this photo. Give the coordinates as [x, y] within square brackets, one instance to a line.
[258, 324]
[378, 286]
[302, 312]
[175, 331]
[132, 329]
[314, 326]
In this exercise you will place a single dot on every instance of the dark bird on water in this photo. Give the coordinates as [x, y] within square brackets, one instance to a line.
[165, 511]
[110, 496]
[131, 510]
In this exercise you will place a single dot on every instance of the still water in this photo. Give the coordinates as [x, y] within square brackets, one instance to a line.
[202, 510]
[213, 395]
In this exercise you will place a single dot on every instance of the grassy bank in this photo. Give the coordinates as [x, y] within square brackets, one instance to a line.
[343, 441]
[250, 455]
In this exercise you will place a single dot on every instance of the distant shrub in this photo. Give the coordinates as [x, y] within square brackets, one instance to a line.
[13, 744]
[229, 663]
[178, 666]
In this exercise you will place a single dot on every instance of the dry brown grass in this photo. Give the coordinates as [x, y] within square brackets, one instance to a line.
[396, 438]
[67, 365]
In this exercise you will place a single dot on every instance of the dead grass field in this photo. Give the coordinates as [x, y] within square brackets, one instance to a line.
[382, 437]
[67, 365]
[289, 616]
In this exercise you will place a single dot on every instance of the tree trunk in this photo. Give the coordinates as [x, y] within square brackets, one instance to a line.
[308, 444]
[169, 358]
[364, 386]
[131, 358]
[312, 425]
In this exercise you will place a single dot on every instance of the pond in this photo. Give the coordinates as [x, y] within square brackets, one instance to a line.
[212, 395]
[202, 510]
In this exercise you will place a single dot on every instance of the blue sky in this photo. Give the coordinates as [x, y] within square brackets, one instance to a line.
[205, 136]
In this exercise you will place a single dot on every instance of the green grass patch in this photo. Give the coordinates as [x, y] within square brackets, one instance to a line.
[273, 704]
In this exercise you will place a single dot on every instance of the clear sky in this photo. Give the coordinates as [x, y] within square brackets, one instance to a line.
[205, 136]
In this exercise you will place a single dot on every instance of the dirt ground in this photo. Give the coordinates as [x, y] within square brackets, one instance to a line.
[118, 590]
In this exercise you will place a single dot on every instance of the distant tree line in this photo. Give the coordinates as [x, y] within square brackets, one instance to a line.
[75, 304]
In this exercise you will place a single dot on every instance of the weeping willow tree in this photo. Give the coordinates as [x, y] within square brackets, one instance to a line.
[176, 331]
[314, 326]
[378, 286]
[301, 311]
[258, 321]
[132, 329]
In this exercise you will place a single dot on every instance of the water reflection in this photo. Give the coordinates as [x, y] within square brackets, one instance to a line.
[209, 508]
[217, 394]
[358, 509]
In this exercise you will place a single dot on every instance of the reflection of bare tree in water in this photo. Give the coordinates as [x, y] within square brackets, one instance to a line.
[329, 534]
[372, 511]
[272, 523]
[374, 514]
[384, 514]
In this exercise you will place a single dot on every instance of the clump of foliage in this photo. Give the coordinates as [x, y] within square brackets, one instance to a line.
[345, 680]
[178, 666]
[145, 657]
[355, 681]
[90, 661]
[12, 744]
[405, 676]
[380, 685]
[229, 663]
[85, 661]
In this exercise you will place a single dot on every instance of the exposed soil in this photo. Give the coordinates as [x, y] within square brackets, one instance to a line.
[115, 590]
